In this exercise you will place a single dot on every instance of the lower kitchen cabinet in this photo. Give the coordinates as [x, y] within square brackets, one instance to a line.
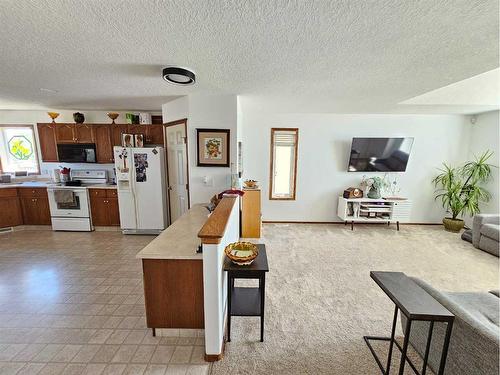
[35, 208]
[10, 207]
[104, 207]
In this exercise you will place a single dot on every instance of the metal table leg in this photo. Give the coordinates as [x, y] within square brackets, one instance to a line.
[229, 287]
[446, 345]
[262, 287]
[428, 347]
[405, 347]
[391, 343]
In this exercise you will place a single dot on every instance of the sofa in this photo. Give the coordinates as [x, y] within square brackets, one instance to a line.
[485, 233]
[474, 342]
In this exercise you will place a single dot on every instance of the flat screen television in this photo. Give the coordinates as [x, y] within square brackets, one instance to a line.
[379, 154]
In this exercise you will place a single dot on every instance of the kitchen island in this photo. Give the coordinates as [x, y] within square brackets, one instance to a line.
[173, 274]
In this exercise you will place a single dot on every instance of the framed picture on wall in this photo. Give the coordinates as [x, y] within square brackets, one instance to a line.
[213, 147]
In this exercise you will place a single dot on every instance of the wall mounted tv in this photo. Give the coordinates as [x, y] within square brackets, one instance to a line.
[379, 154]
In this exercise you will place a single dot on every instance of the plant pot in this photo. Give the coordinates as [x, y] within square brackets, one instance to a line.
[453, 225]
[374, 193]
[78, 117]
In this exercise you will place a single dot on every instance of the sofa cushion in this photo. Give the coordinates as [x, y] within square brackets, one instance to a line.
[491, 230]
[489, 245]
[482, 307]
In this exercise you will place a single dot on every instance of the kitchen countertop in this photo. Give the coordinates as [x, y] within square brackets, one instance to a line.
[26, 184]
[101, 186]
[180, 240]
[45, 184]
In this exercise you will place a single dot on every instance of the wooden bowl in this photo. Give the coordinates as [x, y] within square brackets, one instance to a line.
[250, 183]
[241, 253]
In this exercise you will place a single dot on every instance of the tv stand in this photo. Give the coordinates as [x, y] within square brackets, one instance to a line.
[368, 210]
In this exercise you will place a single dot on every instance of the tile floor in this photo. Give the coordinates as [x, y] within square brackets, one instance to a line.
[73, 303]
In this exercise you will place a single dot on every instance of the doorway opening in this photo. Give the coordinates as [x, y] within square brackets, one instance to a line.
[177, 161]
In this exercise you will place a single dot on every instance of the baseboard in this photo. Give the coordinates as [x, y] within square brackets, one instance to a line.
[217, 357]
[336, 222]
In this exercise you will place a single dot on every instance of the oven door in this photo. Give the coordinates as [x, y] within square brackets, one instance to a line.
[79, 209]
[77, 153]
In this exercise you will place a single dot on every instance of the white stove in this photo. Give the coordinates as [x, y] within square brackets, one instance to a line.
[70, 205]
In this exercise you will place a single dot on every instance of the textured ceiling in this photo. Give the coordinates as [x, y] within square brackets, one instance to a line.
[331, 56]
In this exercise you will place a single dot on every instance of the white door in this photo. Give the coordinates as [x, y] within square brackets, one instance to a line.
[177, 170]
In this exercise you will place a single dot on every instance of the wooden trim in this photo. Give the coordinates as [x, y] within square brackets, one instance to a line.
[188, 185]
[216, 357]
[215, 227]
[220, 356]
[296, 154]
[176, 122]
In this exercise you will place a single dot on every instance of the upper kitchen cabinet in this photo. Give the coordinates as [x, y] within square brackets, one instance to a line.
[84, 133]
[65, 133]
[116, 133]
[137, 129]
[104, 146]
[74, 133]
[48, 145]
[154, 134]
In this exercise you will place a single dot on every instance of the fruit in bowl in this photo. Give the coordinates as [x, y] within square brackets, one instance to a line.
[250, 183]
[241, 253]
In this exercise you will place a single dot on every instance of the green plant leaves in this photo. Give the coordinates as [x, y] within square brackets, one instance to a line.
[459, 187]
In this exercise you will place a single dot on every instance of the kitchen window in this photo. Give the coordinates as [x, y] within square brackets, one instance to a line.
[18, 149]
[284, 143]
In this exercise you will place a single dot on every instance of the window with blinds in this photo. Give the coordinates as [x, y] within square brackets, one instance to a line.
[284, 143]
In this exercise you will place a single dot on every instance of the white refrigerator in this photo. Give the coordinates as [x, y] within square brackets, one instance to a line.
[140, 179]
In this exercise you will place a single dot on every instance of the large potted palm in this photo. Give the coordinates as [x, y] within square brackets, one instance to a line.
[460, 189]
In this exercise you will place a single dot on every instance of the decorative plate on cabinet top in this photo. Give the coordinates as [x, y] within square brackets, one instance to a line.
[242, 253]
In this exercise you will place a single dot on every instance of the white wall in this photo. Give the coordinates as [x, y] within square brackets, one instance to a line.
[485, 136]
[323, 152]
[34, 117]
[205, 111]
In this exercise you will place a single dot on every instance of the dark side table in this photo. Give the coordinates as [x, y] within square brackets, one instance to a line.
[247, 301]
[416, 305]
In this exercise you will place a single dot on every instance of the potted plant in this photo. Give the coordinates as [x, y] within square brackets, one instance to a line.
[374, 185]
[460, 190]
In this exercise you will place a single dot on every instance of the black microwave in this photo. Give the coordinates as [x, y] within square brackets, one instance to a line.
[76, 152]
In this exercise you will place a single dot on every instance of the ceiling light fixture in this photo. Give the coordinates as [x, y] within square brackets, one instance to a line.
[179, 76]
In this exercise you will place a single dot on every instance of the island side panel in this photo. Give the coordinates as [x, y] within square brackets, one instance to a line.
[173, 291]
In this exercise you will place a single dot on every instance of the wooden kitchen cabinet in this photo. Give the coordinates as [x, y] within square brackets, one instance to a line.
[103, 145]
[173, 292]
[104, 207]
[250, 214]
[154, 135]
[65, 133]
[137, 129]
[116, 133]
[10, 207]
[48, 144]
[35, 206]
[84, 133]
[74, 133]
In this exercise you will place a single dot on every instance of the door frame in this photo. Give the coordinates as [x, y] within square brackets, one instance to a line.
[188, 187]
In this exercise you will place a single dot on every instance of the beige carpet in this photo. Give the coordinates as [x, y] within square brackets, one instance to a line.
[320, 300]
